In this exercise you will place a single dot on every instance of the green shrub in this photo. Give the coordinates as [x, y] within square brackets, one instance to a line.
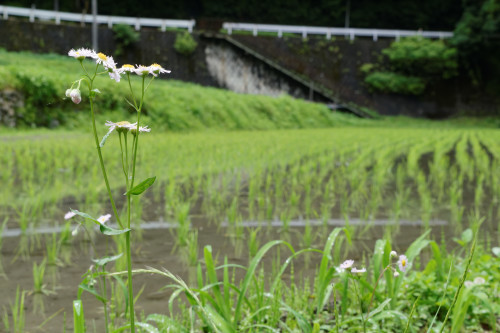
[411, 64]
[390, 82]
[185, 43]
[423, 57]
[40, 94]
[125, 36]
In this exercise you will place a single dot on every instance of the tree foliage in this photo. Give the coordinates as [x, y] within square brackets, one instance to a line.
[477, 37]
[479, 27]
[423, 57]
[412, 63]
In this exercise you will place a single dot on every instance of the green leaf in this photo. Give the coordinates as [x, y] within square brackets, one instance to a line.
[467, 236]
[106, 260]
[92, 291]
[379, 308]
[105, 230]
[143, 186]
[147, 327]
[78, 317]
[82, 214]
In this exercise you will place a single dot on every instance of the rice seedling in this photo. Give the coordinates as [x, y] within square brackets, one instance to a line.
[183, 224]
[17, 313]
[39, 286]
[192, 248]
[53, 247]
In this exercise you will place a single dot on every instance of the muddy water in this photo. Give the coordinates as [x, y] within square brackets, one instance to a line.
[155, 249]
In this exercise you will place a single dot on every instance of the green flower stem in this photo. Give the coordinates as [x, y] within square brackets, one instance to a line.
[360, 306]
[101, 161]
[105, 295]
[125, 170]
[136, 137]
[131, 90]
[129, 276]
[127, 235]
[462, 281]
[375, 287]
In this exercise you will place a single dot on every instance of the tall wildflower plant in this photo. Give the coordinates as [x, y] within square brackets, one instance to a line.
[128, 135]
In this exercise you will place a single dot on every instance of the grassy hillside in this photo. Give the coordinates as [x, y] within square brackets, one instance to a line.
[172, 105]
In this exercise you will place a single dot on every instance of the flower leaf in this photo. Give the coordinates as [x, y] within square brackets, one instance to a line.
[143, 186]
[85, 215]
[91, 290]
[105, 260]
[105, 230]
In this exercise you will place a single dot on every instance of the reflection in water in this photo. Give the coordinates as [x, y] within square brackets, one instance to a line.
[53, 276]
[38, 304]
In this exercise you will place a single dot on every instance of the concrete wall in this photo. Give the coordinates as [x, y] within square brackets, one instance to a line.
[336, 65]
[333, 65]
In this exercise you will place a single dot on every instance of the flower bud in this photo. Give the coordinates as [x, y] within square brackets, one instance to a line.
[68, 91]
[394, 254]
[75, 95]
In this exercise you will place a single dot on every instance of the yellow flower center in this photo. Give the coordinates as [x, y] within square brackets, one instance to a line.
[403, 262]
[102, 56]
[122, 123]
[128, 66]
[155, 65]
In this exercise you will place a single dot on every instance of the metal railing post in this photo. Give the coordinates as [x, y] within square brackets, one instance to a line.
[32, 13]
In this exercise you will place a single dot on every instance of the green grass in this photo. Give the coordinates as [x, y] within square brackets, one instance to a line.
[174, 105]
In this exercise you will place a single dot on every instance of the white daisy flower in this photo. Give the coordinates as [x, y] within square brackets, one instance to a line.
[156, 69]
[82, 53]
[403, 263]
[127, 69]
[101, 58]
[114, 74]
[142, 70]
[347, 264]
[146, 129]
[469, 284]
[359, 271]
[69, 215]
[104, 218]
[109, 63]
[121, 126]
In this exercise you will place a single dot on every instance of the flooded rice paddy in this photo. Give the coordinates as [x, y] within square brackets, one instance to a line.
[235, 192]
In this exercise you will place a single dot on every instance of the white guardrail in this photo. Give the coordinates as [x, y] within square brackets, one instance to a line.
[42, 14]
[329, 32]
